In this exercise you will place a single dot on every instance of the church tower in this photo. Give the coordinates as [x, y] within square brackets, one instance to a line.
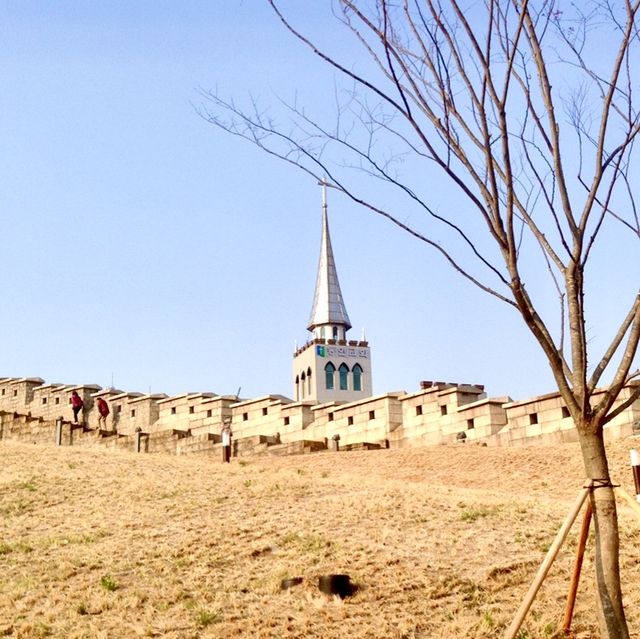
[329, 367]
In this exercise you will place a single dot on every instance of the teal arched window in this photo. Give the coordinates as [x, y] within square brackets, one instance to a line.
[357, 377]
[329, 371]
[344, 375]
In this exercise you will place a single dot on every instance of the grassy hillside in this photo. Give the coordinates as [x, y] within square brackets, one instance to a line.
[442, 542]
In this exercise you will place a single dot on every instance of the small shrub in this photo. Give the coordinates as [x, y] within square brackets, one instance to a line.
[314, 543]
[473, 514]
[207, 617]
[15, 507]
[23, 546]
[243, 462]
[289, 538]
[41, 630]
[108, 583]
[29, 485]
[488, 620]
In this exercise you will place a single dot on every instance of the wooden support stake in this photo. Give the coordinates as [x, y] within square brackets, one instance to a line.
[513, 629]
[635, 468]
[577, 568]
[627, 497]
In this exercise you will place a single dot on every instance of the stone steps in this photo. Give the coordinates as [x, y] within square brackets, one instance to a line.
[299, 447]
[207, 443]
[363, 446]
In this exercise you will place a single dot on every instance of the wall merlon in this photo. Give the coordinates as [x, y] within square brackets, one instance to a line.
[156, 397]
[94, 388]
[36, 381]
[111, 393]
[126, 397]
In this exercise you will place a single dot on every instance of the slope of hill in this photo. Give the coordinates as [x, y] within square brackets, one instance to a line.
[441, 542]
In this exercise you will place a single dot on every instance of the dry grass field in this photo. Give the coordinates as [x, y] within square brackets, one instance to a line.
[442, 543]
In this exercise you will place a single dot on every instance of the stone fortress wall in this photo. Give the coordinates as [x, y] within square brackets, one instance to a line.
[438, 413]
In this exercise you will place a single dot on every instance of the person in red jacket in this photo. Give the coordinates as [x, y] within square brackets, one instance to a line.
[103, 410]
[76, 404]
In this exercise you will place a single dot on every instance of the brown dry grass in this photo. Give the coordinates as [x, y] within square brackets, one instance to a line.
[443, 542]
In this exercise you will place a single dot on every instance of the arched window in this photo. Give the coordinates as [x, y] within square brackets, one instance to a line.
[357, 377]
[335, 332]
[309, 380]
[297, 388]
[322, 332]
[302, 379]
[344, 374]
[329, 370]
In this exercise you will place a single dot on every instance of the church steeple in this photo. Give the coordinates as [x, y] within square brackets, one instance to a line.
[329, 367]
[329, 316]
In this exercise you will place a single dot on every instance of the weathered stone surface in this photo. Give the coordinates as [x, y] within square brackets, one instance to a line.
[275, 425]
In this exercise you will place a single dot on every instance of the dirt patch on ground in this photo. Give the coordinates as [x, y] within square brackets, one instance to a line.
[441, 543]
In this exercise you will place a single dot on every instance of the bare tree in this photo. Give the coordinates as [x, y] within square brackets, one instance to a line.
[534, 122]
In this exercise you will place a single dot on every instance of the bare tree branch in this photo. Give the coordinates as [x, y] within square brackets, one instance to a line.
[474, 91]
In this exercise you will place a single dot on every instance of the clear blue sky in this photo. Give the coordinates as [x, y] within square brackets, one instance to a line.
[140, 242]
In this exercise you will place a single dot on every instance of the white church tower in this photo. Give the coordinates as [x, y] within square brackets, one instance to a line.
[330, 367]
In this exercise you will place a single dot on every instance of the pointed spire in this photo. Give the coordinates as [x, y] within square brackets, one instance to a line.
[328, 306]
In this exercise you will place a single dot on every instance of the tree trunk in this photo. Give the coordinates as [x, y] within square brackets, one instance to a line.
[613, 624]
